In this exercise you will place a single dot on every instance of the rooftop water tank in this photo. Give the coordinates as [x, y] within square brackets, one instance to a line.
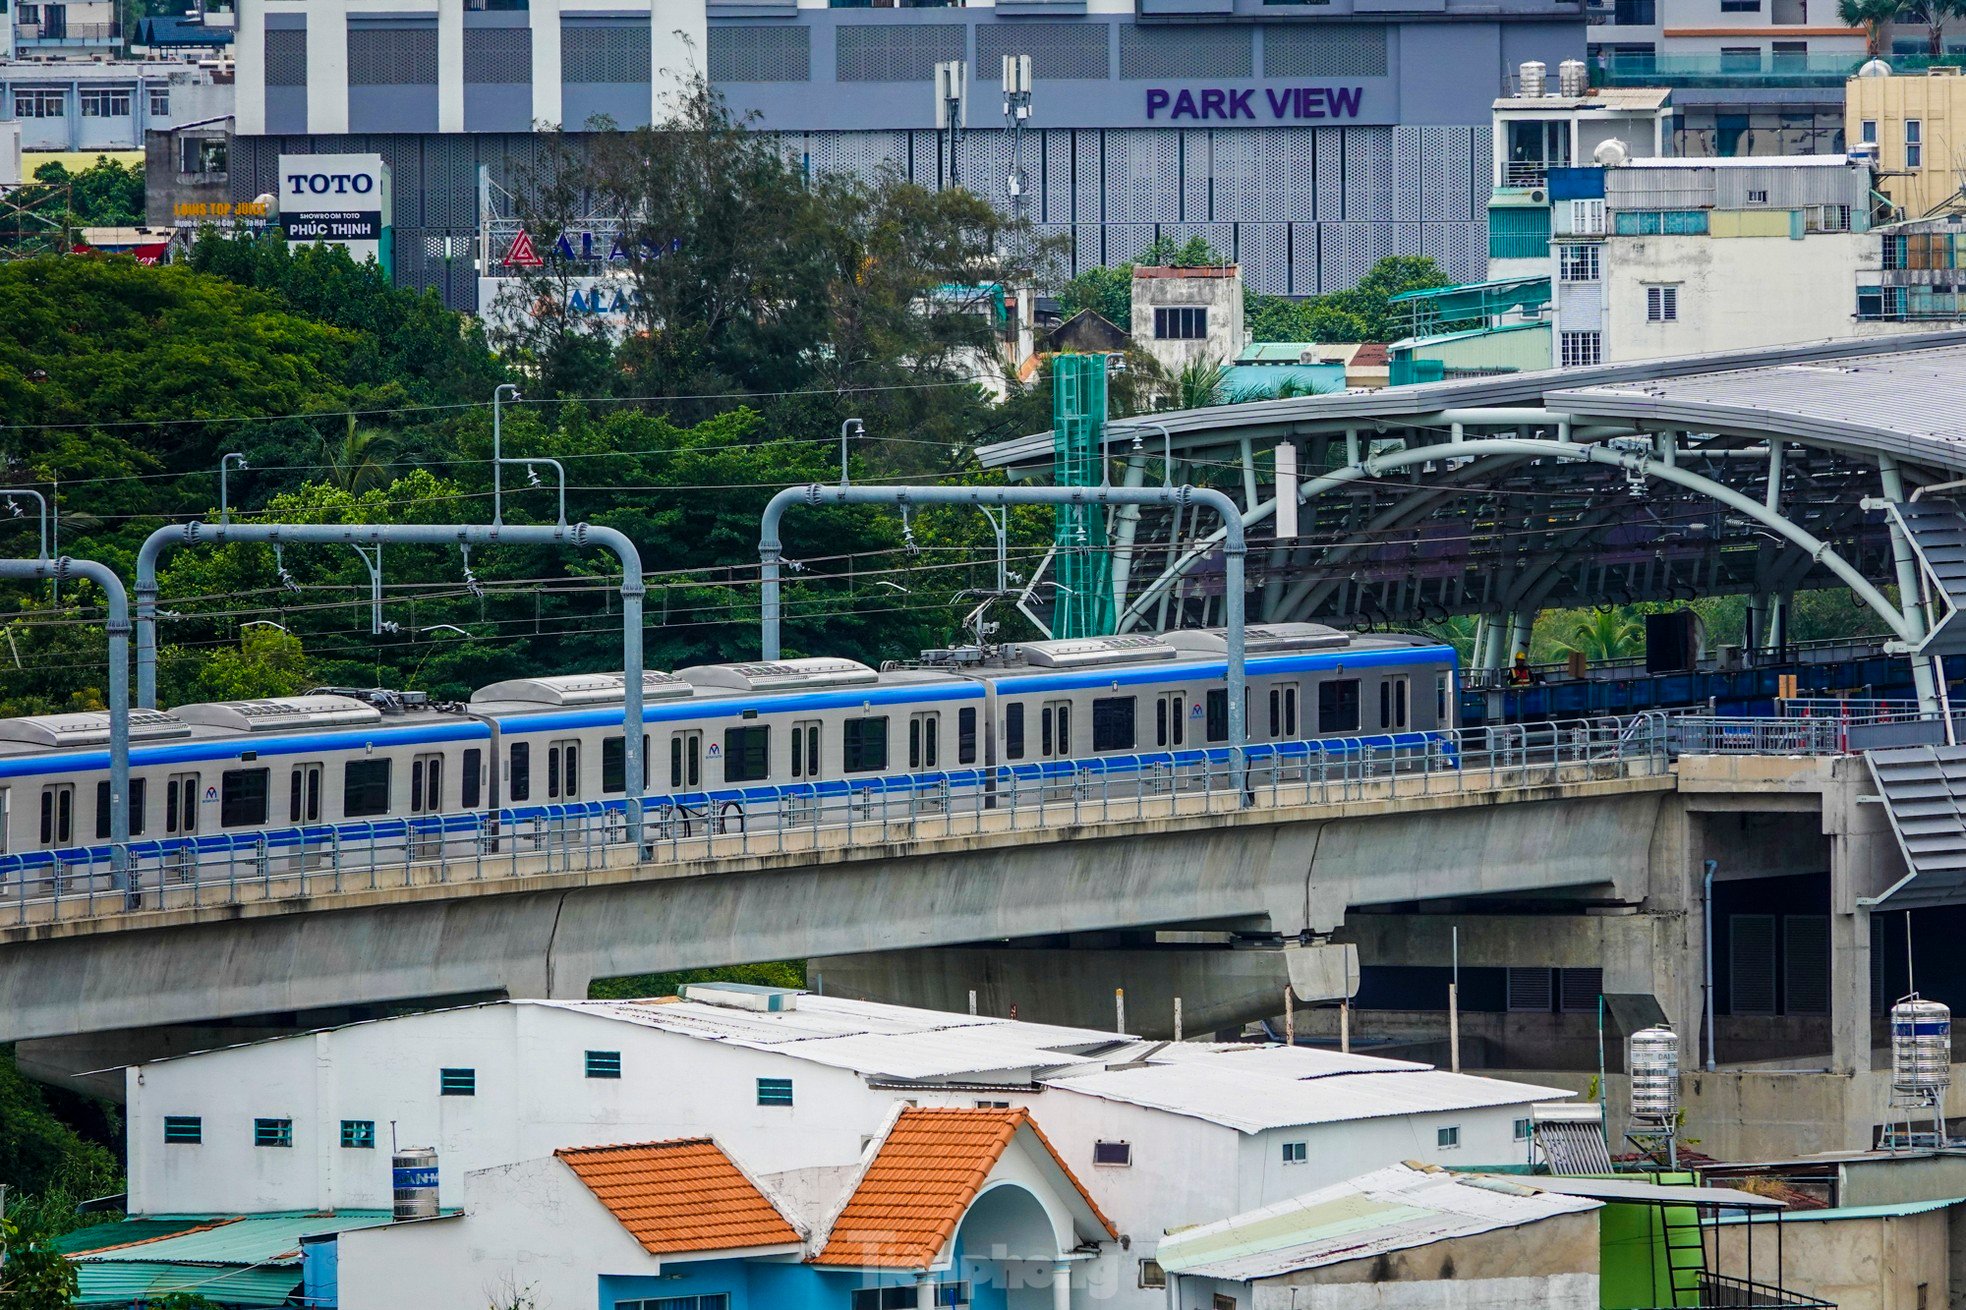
[413, 1172]
[1652, 1058]
[1572, 78]
[1874, 68]
[1529, 78]
[1610, 154]
[1921, 1051]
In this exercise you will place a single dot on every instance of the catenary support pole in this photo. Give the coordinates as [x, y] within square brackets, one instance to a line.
[1235, 551]
[577, 536]
[118, 627]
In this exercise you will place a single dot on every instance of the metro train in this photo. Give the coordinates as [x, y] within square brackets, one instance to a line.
[746, 744]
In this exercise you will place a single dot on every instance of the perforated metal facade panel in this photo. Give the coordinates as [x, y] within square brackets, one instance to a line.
[1142, 171]
[286, 57]
[897, 52]
[1089, 177]
[498, 56]
[1371, 173]
[1263, 250]
[392, 56]
[862, 154]
[1197, 177]
[602, 53]
[1195, 54]
[1058, 50]
[1124, 241]
[1324, 50]
[782, 53]
[1330, 174]
[1307, 258]
[1056, 203]
[1408, 170]
[925, 158]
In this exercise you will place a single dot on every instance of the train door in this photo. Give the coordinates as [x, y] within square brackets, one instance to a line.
[686, 775]
[1395, 701]
[805, 769]
[426, 798]
[563, 770]
[304, 794]
[1170, 734]
[925, 756]
[57, 815]
[181, 816]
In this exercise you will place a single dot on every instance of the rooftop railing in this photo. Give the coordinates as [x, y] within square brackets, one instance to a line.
[1690, 70]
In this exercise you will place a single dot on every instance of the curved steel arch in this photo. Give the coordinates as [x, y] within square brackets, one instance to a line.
[1535, 450]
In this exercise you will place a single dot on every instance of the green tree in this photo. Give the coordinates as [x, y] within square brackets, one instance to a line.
[1872, 16]
[35, 1276]
[784, 973]
[1602, 635]
[45, 213]
[1108, 292]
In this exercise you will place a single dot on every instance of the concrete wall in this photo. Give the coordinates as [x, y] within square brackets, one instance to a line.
[1207, 289]
[1855, 1264]
[1939, 105]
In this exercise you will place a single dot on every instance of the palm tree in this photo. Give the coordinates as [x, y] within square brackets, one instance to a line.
[1871, 15]
[1602, 635]
[360, 460]
[1197, 386]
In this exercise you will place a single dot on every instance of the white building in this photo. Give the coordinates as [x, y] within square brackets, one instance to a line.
[1163, 1135]
[1184, 316]
[70, 105]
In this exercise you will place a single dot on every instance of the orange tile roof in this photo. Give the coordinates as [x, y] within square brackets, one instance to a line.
[921, 1182]
[682, 1195]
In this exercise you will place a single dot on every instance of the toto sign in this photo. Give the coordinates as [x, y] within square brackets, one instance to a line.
[342, 200]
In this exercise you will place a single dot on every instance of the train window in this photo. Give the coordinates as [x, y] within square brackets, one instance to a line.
[747, 754]
[1218, 715]
[58, 814]
[805, 749]
[923, 752]
[427, 784]
[1170, 720]
[518, 775]
[1283, 713]
[102, 811]
[614, 764]
[1044, 733]
[553, 772]
[5, 816]
[242, 797]
[1394, 695]
[1337, 705]
[472, 779]
[863, 743]
[304, 794]
[966, 736]
[1013, 732]
[365, 787]
[181, 803]
[1441, 684]
[1112, 724]
[686, 759]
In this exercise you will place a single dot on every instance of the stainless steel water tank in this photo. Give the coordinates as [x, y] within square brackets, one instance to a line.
[1921, 1051]
[1652, 1058]
[413, 1173]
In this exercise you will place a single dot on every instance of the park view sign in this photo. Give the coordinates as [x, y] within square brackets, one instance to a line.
[1290, 104]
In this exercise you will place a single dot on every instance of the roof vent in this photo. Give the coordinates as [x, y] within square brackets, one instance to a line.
[743, 996]
[1090, 652]
[780, 675]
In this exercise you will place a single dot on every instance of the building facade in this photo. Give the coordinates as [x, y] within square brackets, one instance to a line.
[1305, 142]
[1914, 126]
[79, 106]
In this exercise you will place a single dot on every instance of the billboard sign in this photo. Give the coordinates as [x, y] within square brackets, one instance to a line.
[343, 200]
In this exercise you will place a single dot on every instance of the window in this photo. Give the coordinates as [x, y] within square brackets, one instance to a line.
[1337, 706]
[993, 1105]
[1587, 218]
[160, 102]
[202, 156]
[30, 14]
[518, 774]
[712, 1301]
[457, 1082]
[183, 1130]
[273, 1132]
[805, 749]
[1151, 1274]
[1395, 696]
[40, 104]
[966, 736]
[1740, 6]
[58, 814]
[1522, 1129]
[1826, 218]
[1448, 1139]
[1217, 716]
[242, 798]
[102, 810]
[1296, 1152]
[923, 747]
[358, 1134]
[304, 794]
[1222, 1302]
[1181, 324]
[1662, 304]
[747, 754]
[365, 786]
[864, 744]
[604, 1064]
[1578, 263]
[1914, 143]
[774, 1091]
[1580, 349]
[1869, 133]
[1757, 197]
[471, 779]
[1112, 724]
[1116, 1154]
[6, 816]
[892, 1298]
[105, 104]
[1013, 732]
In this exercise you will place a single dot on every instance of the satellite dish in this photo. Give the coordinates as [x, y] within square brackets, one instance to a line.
[1610, 154]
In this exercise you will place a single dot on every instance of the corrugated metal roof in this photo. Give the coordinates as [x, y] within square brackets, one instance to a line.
[1900, 1210]
[1924, 791]
[1641, 1192]
[244, 1240]
[1244, 1095]
[125, 1233]
[1392, 1209]
[124, 1282]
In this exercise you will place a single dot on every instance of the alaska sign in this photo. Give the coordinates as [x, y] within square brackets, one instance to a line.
[1288, 104]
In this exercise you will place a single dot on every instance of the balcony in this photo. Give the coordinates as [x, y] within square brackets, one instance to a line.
[45, 35]
[1725, 70]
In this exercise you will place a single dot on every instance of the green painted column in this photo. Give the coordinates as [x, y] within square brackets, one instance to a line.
[1083, 564]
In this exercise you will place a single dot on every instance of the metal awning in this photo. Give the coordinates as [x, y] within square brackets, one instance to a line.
[1638, 1192]
[1936, 532]
[1924, 793]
